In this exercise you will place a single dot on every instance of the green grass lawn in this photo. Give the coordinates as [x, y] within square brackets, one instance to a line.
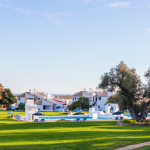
[143, 148]
[103, 135]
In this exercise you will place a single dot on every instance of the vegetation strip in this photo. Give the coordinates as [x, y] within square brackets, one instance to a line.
[134, 146]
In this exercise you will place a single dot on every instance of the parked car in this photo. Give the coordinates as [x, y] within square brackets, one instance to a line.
[10, 108]
[39, 114]
[117, 113]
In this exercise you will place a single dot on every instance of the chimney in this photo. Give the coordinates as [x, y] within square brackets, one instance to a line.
[30, 90]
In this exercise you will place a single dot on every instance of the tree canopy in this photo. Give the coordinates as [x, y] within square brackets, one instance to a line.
[1, 90]
[130, 88]
[21, 106]
[7, 98]
[82, 102]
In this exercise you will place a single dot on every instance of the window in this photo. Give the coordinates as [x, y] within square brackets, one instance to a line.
[96, 98]
[19, 99]
[38, 98]
[99, 98]
[75, 98]
[99, 106]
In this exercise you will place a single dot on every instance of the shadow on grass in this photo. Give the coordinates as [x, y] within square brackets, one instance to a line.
[74, 140]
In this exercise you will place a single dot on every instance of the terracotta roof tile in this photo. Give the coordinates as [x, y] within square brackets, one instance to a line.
[59, 101]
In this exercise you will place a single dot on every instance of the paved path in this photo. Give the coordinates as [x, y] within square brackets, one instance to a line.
[134, 146]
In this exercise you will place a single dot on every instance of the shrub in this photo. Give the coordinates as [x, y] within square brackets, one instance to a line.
[130, 121]
[21, 106]
[148, 120]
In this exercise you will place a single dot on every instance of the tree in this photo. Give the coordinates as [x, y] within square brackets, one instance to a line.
[82, 102]
[1, 90]
[7, 98]
[21, 106]
[74, 105]
[116, 99]
[130, 88]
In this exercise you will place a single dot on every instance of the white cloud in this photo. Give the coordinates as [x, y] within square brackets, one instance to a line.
[87, 1]
[119, 4]
[148, 29]
[55, 17]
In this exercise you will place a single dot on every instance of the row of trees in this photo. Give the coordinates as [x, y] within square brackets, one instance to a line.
[130, 89]
[6, 97]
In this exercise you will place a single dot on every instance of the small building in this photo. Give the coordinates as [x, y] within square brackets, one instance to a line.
[51, 105]
[89, 94]
[101, 98]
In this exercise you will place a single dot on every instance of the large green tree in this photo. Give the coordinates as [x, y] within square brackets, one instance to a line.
[130, 89]
[82, 102]
[7, 98]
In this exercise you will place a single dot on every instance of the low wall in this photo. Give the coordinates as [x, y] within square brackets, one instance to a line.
[131, 124]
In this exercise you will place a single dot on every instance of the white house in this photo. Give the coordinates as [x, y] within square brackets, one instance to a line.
[90, 94]
[29, 95]
[44, 101]
[51, 105]
[101, 99]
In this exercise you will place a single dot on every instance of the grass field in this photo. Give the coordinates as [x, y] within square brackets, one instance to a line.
[68, 135]
[143, 148]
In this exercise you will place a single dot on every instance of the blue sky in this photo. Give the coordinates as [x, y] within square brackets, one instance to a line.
[63, 46]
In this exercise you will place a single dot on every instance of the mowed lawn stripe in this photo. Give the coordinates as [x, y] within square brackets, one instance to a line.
[68, 135]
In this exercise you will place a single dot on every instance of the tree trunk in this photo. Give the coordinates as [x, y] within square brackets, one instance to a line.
[7, 105]
[135, 110]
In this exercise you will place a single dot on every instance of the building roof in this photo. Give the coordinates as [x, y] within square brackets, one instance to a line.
[39, 102]
[59, 101]
[103, 94]
[39, 94]
[22, 95]
[78, 94]
[63, 96]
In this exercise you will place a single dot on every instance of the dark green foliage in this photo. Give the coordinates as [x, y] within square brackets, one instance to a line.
[7, 98]
[130, 88]
[126, 80]
[21, 106]
[129, 121]
[74, 105]
[82, 102]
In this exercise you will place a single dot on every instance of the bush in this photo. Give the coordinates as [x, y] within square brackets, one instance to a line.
[130, 121]
[0, 106]
[148, 120]
[21, 106]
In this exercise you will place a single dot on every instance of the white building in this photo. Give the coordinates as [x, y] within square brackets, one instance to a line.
[44, 101]
[89, 94]
[30, 96]
[101, 99]
[51, 105]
